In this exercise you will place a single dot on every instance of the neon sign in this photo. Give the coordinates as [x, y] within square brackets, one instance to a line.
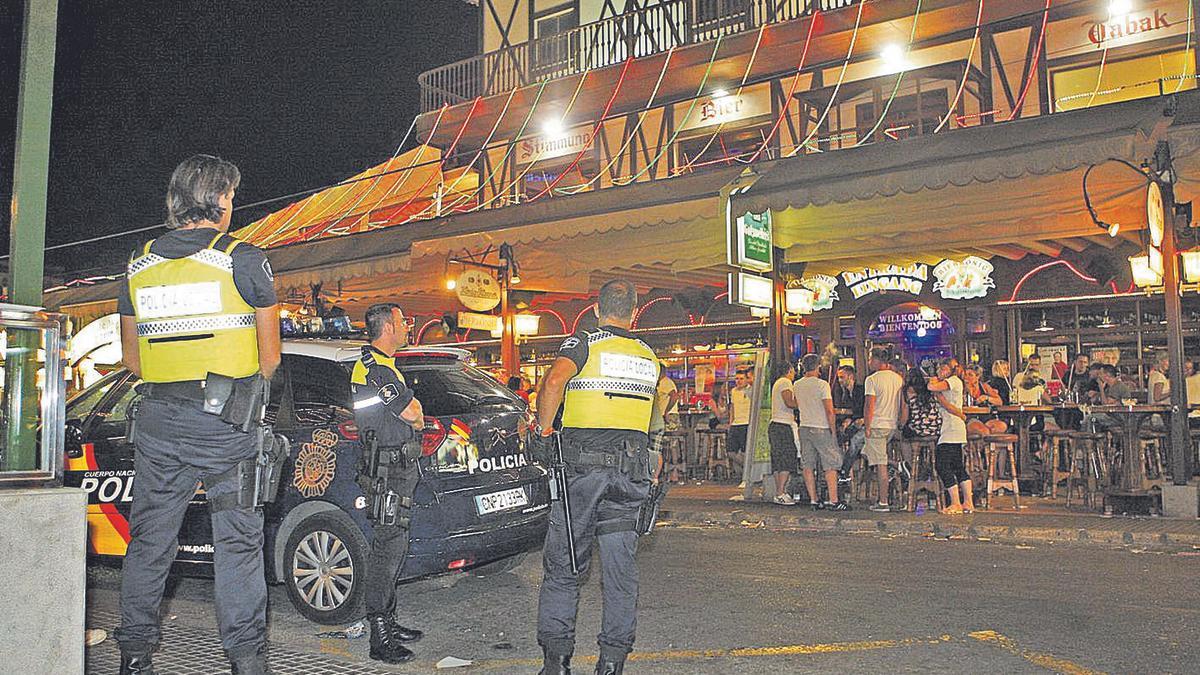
[906, 279]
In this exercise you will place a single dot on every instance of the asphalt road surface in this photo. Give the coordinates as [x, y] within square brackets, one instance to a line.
[756, 601]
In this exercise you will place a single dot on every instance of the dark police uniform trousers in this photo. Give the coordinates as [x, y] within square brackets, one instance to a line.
[179, 444]
[604, 497]
[388, 547]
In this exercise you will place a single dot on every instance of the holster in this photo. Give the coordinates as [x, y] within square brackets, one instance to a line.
[648, 513]
[257, 477]
[240, 402]
[390, 478]
[632, 460]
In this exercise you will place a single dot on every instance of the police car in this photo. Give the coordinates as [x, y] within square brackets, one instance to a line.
[481, 502]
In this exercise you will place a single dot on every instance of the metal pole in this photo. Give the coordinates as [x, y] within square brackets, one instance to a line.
[31, 164]
[510, 359]
[1180, 440]
[27, 230]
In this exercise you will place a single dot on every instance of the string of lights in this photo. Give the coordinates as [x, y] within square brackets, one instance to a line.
[783, 112]
[549, 189]
[678, 127]
[541, 151]
[1037, 54]
[900, 60]
[632, 134]
[738, 93]
[841, 78]
[966, 71]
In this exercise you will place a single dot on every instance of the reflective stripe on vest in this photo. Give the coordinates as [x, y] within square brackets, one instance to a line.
[615, 388]
[191, 319]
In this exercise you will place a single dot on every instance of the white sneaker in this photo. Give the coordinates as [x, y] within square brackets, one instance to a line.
[784, 499]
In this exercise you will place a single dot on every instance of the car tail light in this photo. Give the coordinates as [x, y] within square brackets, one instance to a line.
[348, 431]
[435, 433]
[460, 563]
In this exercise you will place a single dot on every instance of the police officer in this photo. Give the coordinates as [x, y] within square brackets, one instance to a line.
[605, 380]
[198, 303]
[388, 416]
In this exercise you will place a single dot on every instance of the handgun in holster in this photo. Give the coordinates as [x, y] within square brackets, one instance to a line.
[242, 402]
[648, 512]
[384, 466]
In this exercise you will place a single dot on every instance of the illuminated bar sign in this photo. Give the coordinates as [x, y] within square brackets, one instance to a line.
[824, 290]
[540, 148]
[751, 290]
[907, 279]
[1101, 29]
[970, 277]
[748, 240]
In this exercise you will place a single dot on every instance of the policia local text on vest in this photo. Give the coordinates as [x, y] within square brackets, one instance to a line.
[200, 326]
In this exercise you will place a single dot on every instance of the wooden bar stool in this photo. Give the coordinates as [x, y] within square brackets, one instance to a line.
[1002, 447]
[1061, 450]
[1087, 465]
[674, 451]
[975, 458]
[715, 456]
[1152, 443]
[924, 472]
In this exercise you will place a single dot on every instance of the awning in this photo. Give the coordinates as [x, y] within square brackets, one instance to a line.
[973, 188]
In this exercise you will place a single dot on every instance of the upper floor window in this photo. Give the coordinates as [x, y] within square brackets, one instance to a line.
[554, 44]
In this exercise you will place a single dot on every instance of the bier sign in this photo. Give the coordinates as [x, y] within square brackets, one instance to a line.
[748, 240]
[906, 279]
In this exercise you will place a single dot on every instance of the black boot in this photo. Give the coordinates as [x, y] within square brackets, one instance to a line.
[611, 662]
[402, 634]
[251, 664]
[136, 663]
[384, 647]
[555, 663]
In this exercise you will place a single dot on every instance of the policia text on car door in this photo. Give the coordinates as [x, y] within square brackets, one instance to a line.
[606, 380]
[388, 417]
[200, 326]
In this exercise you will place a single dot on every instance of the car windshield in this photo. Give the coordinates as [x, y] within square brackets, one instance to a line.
[448, 391]
[85, 401]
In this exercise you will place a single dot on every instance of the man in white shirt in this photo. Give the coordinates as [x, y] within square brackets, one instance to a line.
[881, 411]
[738, 407]
[814, 404]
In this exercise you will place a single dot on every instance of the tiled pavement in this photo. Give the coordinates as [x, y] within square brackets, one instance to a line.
[197, 651]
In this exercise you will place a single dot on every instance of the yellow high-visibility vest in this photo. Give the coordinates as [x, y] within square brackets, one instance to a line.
[191, 319]
[615, 388]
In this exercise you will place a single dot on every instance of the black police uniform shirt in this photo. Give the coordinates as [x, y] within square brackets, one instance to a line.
[380, 395]
[575, 347]
[251, 270]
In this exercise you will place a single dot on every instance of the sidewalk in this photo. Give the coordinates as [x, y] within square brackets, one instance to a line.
[1039, 520]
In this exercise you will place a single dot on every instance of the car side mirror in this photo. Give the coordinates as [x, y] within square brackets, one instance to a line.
[73, 439]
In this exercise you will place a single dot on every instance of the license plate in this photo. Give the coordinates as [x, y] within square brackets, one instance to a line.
[499, 501]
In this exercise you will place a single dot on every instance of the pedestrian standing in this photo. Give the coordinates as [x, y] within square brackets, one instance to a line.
[781, 432]
[738, 409]
[948, 458]
[388, 417]
[605, 380]
[818, 446]
[881, 411]
[198, 306]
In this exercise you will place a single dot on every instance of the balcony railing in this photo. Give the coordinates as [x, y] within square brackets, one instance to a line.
[648, 31]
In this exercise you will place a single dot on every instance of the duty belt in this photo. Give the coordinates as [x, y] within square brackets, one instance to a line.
[622, 462]
[190, 390]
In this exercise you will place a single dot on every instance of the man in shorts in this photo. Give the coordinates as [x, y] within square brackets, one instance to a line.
[881, 412]
[814, 404]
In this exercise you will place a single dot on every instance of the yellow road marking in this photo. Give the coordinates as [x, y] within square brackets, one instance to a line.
[1047, 661]
[739, 652]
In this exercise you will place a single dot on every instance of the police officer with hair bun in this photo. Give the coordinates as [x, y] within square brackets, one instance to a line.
[605, 380]
[200, 327]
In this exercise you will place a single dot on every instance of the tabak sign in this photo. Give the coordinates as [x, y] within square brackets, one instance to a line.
[906, 279]
[1103, 29]
[748, 240]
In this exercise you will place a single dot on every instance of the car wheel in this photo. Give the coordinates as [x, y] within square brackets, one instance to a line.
[326, 568]
[500, 566]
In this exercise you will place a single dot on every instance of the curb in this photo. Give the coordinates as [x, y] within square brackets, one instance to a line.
[1103, 537]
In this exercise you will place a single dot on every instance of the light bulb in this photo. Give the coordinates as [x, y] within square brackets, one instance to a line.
[451, 284]
[1114, 229]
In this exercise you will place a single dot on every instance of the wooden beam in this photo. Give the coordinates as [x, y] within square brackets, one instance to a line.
[1009, 252]
[1134, 236]
[1071, 243]
[1042, 247]
[1104, 240]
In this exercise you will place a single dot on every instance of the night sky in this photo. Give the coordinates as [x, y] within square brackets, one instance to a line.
[298, 94]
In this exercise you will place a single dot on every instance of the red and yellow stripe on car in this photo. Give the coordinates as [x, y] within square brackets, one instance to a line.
[108, 530]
